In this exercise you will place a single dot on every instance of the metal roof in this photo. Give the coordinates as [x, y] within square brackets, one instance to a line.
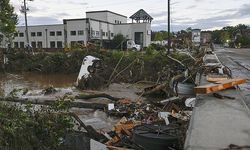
[141, 15]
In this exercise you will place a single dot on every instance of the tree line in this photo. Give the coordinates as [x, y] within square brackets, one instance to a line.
[235, 36]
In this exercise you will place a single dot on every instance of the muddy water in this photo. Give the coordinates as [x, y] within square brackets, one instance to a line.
[34, 81]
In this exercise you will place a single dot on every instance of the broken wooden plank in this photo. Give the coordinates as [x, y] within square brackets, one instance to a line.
[216, 78]
[218, 86]
[169, 100]
[113, 141]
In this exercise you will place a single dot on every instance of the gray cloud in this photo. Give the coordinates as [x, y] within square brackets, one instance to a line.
[40, 20]
[77, 2]
[62, 14]
[206, 23]
[198, 0]
[159, 14]
[33, 9]
[191, 7]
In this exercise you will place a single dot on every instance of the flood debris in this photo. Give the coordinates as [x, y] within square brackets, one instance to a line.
[158, 136]
[49, 90]
[152, 124]
[190, 102]
[100, 95]
[52, 101]
[216, 77]
[237, 147]
[219, 85]
[169, 100]
[18, 92]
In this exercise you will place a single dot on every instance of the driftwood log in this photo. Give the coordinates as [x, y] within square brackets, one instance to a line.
[97, 96]
[153, 89]
[51, 102]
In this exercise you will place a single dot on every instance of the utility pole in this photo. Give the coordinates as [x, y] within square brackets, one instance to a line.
[26, 22]
[169, 44]
[24, 10]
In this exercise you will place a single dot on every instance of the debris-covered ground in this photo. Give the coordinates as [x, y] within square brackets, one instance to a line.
[150, 111]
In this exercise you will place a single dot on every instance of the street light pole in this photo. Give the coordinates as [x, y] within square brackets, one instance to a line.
[169, 44]
[26, 23]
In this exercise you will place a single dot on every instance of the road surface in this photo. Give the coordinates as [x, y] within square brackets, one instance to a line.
[238, 60]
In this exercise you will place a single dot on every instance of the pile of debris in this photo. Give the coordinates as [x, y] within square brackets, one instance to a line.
[143, 125]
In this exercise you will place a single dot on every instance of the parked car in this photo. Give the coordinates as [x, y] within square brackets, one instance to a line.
[226, 45]
[131, 45]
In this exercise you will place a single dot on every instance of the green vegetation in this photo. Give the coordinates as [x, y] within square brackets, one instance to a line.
[26, 128]
[8, 20]
[118, 42]
[235, 36]
[137, 65]
[244, 41]
[159, 36]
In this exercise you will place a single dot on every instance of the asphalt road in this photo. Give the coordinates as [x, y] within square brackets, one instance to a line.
[238, 60]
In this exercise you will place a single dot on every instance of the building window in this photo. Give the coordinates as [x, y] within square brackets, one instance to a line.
[93, 33]
[21, 34]
[59, 44]
[103, 33]
[33, 34]
[15, 44]
[73, 33]
[33, 44]
[52, 44]
[106, 33]
[59, 33]
[80, 32]
[40, 44]
[21, 44]
[112, 34]
[39, 33]
[97, 33]
[15, 34]
[52, 33]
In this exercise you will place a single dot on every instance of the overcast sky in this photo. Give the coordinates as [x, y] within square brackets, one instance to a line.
[204, 14]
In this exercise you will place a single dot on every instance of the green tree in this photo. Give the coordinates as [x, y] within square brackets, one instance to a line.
[8, 19]
[165, 35]
[243, 40]
[118, 41]
[158, 36]
[225, 36]
[189, 29]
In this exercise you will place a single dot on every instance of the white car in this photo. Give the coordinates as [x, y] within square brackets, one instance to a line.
[89, 64]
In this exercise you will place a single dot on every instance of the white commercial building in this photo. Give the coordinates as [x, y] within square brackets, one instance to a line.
[98, 25]
[196, 37]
